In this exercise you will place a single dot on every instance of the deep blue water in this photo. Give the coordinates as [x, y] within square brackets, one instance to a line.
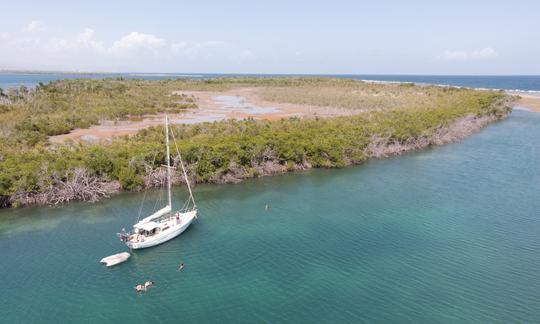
[506, 82]
[520, 83]
[446, 235]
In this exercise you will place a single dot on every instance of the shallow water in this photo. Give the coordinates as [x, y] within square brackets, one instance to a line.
[242, 105]
[450, 234]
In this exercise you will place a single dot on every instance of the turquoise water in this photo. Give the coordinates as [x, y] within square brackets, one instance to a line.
[450, 234]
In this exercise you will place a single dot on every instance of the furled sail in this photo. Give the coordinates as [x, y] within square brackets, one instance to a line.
[159, 213]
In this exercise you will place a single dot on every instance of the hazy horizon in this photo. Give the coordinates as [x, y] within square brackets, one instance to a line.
[241, 37]
[251, 73]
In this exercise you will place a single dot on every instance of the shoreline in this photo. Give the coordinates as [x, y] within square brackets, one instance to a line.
[529, 101]
[379, 148]
[270, 126]
[357, 77]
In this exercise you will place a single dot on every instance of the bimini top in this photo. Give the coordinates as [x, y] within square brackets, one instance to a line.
[148, 226]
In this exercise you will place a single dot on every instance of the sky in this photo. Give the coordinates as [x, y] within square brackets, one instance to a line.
[289, 37]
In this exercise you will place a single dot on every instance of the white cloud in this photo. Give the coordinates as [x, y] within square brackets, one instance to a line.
[132, 52]
[455, 55]
[135, 41]
[82, 42]
[485, 53]
[86, 35]
[131, 45]
[178, 47]
[35, 26]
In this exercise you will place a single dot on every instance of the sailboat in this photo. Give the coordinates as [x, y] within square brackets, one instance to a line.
[164, 224]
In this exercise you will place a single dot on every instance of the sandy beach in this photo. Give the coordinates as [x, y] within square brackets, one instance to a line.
[527, 100]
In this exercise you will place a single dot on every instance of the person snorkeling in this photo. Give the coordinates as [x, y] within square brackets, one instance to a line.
[142, 288]
[148, 284]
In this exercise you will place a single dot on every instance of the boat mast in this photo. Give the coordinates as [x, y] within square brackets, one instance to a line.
[168, 161]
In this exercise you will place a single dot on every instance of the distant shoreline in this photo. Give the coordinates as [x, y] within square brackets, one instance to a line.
[50, 72]
[519, 83]
[509, 91]
[270, 74]
[529, 99]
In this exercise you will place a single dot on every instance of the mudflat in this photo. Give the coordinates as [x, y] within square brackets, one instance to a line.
[240, 103]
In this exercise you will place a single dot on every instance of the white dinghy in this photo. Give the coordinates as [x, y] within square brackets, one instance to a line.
[164, 224]
[115, 259]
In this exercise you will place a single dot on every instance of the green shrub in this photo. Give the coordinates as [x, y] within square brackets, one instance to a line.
[129, 179]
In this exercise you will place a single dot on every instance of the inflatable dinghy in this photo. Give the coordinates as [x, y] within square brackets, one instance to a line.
[115, 259]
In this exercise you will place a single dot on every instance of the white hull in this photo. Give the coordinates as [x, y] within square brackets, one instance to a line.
[169, 229]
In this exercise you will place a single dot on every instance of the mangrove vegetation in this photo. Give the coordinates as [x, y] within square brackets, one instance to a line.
[387, 119]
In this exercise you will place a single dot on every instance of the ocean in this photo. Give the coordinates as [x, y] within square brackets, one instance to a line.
[504, 82]
[445, 235]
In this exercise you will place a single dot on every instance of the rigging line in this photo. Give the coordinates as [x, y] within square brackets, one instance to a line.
[183, 169]
[156, 203]
[159, 198]
[186, 204]
[141, 206]
[146, 191]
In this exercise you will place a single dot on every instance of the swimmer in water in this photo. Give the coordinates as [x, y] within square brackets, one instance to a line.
[180, 267]
[140, 288]
[148, 284]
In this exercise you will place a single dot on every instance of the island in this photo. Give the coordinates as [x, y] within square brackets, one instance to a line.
[86, 139]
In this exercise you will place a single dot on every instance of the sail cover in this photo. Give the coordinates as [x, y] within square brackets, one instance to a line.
[159, 213]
